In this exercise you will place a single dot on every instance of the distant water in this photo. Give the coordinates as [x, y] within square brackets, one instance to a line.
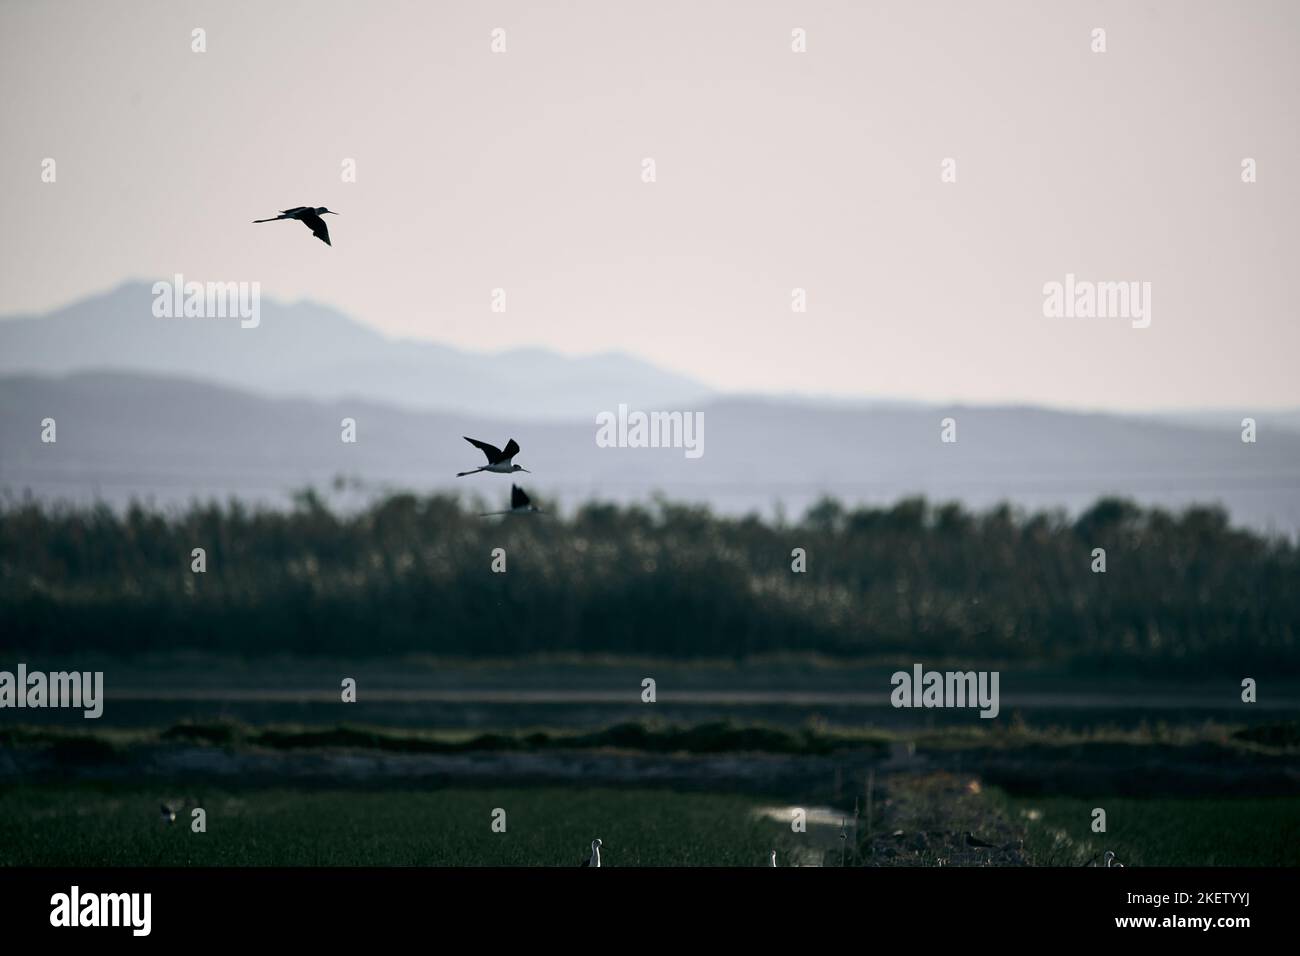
[482, 710]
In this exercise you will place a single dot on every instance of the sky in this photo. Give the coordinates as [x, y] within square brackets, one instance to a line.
[774, 170]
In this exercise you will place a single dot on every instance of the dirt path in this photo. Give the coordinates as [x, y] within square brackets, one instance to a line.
[920, 819]
[924, 820]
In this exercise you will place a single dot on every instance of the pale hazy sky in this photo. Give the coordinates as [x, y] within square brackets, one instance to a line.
[775, 170]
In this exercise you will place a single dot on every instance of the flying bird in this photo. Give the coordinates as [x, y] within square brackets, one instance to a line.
[499, 459]
[594, 859]
[309, 217]
[520, 504]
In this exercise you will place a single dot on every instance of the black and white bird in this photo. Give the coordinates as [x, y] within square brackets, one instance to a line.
[594, 859]
[309, 217]
[499, 459]
[520, 504]
[1107, 859]
[168, 814]
[773, 863]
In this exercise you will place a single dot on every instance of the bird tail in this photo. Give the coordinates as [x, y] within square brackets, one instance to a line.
[462, 474]
[272, 219]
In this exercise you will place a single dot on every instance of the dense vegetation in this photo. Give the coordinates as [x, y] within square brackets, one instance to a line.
[1185, 593]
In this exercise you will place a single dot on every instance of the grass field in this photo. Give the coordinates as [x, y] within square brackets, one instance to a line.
[119, 825]
[658, 794]
[115, 825]
[1165, 831]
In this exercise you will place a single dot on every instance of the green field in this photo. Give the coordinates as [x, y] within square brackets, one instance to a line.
[657, 794]
[1165, 832]
[113, 825]
[120, 825]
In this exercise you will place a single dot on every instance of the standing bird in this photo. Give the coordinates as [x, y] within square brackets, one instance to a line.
[1107, 860]
[309, 217]
[773, 863]
[520, 504]
[499, 459]
[594, 859]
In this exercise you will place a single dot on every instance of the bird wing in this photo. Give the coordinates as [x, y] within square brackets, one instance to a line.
[511, 449]
[317, 226]
[492, 451]
[295, 210]
[517, 497]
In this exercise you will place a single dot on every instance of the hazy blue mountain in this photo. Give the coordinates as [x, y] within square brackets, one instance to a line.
[1286, 418]
[314, 351]
[125, 435]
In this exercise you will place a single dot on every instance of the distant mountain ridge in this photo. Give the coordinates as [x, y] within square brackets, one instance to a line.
[124, 436]
[315, 351]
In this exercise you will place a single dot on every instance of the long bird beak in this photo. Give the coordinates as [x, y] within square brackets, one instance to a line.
[522, 468]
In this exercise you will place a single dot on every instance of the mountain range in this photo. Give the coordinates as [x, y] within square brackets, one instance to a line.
[313, 351]
[175, 409]
[124, 436]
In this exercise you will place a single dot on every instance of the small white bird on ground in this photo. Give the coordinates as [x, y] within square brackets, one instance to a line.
[499, 459]
[1111, 860]
[594, 859]
[773, 863]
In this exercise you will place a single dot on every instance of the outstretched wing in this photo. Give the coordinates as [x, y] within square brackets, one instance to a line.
[317, 226]
[511, 449]
[517, 497]
[492, 451]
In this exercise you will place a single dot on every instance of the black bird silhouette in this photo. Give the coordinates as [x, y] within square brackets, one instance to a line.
[974, 841]
[520, 504]
[499, 459]
[309, 217]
